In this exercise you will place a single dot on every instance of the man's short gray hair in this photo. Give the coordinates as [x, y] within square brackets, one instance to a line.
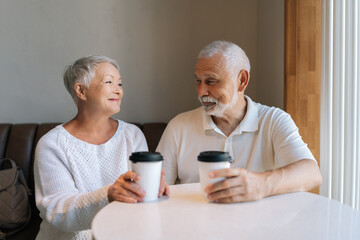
[235, 57]
[83, 71]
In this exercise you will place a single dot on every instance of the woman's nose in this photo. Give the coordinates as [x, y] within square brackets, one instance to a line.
[117, 89]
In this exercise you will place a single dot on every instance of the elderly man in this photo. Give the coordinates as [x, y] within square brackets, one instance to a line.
[269, 155]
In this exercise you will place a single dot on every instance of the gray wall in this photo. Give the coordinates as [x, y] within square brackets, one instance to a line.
[270, 61]
[155, 42]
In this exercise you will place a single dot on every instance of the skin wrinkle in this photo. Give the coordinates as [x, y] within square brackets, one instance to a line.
[218, 82]
[214, 81]
[97, 103]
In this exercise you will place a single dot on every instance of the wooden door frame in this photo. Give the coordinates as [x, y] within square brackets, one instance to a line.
[303, 69]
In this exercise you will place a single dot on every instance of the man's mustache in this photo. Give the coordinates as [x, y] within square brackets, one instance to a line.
[208, 99]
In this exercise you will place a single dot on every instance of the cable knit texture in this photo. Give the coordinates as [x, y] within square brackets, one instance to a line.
[72, 178]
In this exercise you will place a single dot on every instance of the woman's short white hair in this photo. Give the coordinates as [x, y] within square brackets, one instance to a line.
[83, 71]
[235, 57]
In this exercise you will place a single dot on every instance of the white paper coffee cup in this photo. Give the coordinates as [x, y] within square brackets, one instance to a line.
[148, 166]
[210, 161]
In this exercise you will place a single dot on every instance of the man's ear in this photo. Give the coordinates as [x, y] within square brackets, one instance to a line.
[243, 80]
[80, 91]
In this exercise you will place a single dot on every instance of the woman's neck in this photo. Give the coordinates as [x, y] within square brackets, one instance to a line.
[92, 130]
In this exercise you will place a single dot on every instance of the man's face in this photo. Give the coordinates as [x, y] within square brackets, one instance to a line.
[215, 87]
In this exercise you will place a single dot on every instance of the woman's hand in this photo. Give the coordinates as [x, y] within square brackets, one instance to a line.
[126, 190]
[164, 188]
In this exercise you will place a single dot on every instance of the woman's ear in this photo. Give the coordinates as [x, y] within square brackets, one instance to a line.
[243, 80]
[80, 91]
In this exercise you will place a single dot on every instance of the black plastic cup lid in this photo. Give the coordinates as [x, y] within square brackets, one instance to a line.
[214, 156]
[146, 157]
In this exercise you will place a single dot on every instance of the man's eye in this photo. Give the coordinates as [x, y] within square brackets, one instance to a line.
[210, 82]
[198, 81]
[108, 82]
[120, 84]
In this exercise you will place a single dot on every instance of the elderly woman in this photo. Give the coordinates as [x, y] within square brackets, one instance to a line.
[82, 165]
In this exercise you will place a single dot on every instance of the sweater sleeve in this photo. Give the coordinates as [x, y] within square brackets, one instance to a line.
[57, 197]
[139, 141]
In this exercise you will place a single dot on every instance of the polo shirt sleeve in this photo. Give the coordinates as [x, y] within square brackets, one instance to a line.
[287, 142]
[168, 149]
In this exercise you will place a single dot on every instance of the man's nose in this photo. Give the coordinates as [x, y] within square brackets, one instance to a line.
[202, 89]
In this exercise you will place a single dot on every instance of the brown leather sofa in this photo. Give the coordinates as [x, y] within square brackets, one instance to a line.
[18, 142]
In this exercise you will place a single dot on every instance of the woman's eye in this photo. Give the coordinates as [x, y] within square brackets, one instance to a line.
[108, 82]
[120, 84]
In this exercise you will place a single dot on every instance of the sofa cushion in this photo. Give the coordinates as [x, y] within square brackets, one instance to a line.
[153, 133]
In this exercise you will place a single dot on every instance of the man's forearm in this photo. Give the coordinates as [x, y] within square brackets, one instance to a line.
[303, 175]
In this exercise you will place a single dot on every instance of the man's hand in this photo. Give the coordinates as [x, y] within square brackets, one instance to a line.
[240, 185]
[126, 190]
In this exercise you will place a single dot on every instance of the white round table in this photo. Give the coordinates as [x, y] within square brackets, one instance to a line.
[186, 214]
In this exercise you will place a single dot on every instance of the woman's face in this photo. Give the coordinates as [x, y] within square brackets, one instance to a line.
[105, 91]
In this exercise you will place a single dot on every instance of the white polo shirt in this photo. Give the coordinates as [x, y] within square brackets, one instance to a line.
[267, 138]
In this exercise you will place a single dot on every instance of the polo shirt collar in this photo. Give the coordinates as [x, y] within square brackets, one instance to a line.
[207, 121]
[250, 123]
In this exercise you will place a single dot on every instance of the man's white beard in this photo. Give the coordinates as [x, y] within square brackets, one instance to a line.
[218, 109]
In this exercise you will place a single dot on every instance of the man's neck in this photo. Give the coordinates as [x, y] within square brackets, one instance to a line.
[232, 117]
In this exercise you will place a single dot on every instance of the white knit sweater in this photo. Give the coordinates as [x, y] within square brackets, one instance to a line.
[72, 178]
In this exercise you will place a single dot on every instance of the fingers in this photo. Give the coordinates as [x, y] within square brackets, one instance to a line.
[227, 173]
[164, 188]
[162, 185]
[225, 184]
[232, 199]
[167, 190]
[123, 198]
[239, 185]
[132, 189]
[132, 176]
[126, 190]
[234, 177]
[234, 194]
[127, 182]
[232, 189]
